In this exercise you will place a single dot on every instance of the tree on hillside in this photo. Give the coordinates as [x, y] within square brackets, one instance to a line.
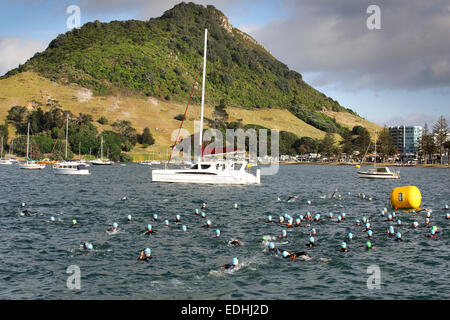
[440, 132]
[146, 137]
[362, 141]
[347, 143]
[327, 146]
[4, 133]
[306, 145]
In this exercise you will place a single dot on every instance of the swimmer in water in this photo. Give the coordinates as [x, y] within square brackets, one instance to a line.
[74, 223]
[124, 198]
[203, 206]
[235, 242]
[447, 215]
[369, 234]
[297, 222]
[217, 233]
[155, 217]
[398, 237]
[114, 228]
[344, 247]
[313, 232]
[236, 206]
[367, 228]
[390, 231]
[184, 228]
[177, 218]
[52, 219]
[389, 217]
[432, 234]
[88, 246]
[293, 256]
[415, 224]
[281, 220]
[369, 246]
[234, 264]
[311, 242]
[129, 219]
[145, 255]
[283, 234]
[196, 212]
[435, 229]
[149, 230]
[166, 223]
[203, 214]
[208, 224]
[330, 215]
[292, 199]
[446, 207]
[317, 218]
[339, 219]
[308, 216]
[289, 224]
[399, 223]
[350, 237]
[269, 219]
[357, 223]
[427, 222]
[343, 215]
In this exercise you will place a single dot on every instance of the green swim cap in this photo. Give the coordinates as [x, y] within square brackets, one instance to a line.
[368, 244]
[264, 237]
[74, 221]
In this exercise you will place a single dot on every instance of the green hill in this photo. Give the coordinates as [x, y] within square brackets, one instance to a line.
[161, 58]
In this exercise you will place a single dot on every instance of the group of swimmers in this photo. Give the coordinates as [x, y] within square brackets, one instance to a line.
[145, 254]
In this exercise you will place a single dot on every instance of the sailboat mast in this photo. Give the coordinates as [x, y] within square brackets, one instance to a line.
[203, 97]
[67, 133]
[101, 149]
[28, 140]
[1, 156]
[376, 137]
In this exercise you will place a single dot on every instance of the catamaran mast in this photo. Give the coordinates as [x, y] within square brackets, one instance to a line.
[203, 97]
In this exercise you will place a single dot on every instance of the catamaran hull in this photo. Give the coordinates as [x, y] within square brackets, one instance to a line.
[170, 176]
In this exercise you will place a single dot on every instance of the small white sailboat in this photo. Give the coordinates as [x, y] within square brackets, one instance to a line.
[101, 161]
[29, 164]
[70, 167]
[378, 172]
[208, 172]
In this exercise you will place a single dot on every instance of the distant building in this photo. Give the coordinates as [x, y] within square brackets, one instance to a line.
[406, 138]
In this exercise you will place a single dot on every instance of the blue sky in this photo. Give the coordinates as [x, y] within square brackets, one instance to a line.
[387, 76]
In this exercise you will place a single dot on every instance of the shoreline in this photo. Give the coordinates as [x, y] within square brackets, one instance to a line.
[365, 164]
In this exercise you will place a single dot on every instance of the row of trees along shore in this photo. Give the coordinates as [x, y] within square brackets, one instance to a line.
[47, 134]
[435, 141]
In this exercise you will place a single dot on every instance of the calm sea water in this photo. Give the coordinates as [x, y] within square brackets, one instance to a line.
[35, 253]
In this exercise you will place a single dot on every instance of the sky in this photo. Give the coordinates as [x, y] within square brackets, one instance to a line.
[397, 74]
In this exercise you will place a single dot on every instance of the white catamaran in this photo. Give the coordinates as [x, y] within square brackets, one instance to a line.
[70, 167]
[29, 164]
[209, 172]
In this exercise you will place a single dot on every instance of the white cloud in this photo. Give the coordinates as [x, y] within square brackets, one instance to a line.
[16, 50]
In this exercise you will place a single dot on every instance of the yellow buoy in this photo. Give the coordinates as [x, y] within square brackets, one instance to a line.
[357, 166]
[406, 198]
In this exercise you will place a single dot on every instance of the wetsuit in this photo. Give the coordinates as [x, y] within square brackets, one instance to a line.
[294, 256]
[149, 232]
[235, 243]
[310, 244]
[143, 257]
[227, 267]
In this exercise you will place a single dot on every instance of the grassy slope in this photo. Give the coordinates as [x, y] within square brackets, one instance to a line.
[349, 120]
[158, 115]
